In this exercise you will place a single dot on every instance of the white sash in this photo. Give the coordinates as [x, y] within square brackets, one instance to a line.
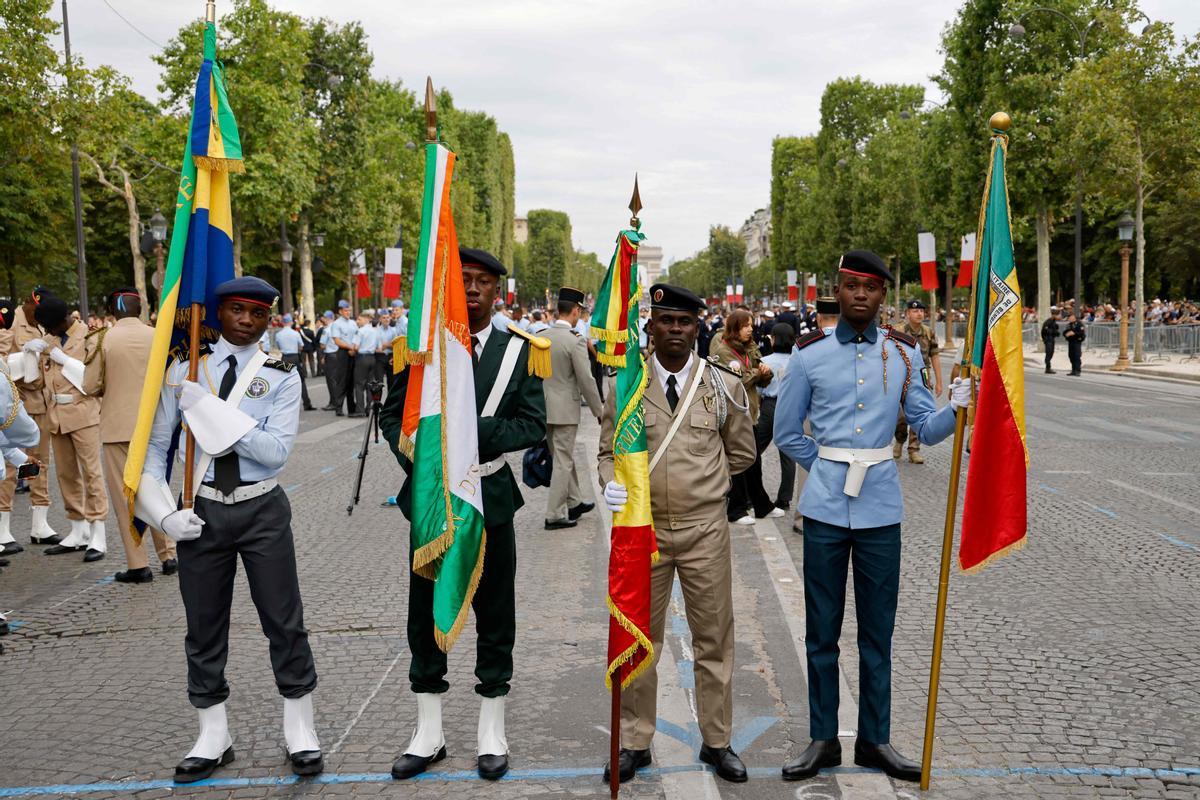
[234, 400]
[511, 353]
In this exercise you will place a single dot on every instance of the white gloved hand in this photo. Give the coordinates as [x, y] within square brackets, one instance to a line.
[35, 346]
[58, 356]
[182, 525]
[615, 496]
[960, 393]
[190, 394]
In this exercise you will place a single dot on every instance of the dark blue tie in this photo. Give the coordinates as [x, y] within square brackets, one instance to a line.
[226, 470]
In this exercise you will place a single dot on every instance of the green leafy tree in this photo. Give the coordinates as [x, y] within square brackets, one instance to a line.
[549, 254]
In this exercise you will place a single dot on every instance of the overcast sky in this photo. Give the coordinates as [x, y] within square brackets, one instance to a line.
[688, 93]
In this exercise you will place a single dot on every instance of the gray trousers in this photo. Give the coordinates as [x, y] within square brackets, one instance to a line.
[564, 478]
[260, 531]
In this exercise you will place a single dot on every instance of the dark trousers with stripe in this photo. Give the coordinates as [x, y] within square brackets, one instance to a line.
[495, 610]
[337, 369]
[828, 551]
[260, 531]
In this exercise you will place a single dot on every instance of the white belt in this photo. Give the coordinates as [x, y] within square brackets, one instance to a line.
[859, 460]
[64, 399]
[240, 494]
[492, 467]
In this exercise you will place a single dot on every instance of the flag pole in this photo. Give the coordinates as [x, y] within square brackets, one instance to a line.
[999, 124]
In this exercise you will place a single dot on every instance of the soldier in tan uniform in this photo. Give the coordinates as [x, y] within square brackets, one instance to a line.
[914, 325]
[73, 421]
[570, 379]
[115, 373]
[23, 331]
[698, 411]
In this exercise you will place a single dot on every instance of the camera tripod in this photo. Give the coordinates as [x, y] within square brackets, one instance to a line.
[375, 389]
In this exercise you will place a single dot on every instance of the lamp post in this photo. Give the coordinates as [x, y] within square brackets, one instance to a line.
[80, 254]
[286, 251]
[158, 230]
[951, 262]
[1125, 234]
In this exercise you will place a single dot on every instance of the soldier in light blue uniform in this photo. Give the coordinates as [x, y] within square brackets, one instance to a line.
[240, 510]
[850, 385]
[291, 349]
[339, 362]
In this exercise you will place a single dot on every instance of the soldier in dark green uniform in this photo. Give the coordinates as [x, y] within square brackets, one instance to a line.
[517, 423]
[914, 325]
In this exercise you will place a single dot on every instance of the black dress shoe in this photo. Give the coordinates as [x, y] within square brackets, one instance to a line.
[195, 768]
[59, 549]
[4, 562]
[1051, 372]
[170, 566]
[92, 555]
[579, 510]
[558, 524]
[628, 763]
[409, 766]
[55, 539]
[885, 757]
[143, 575]
[310, 407]
[307, 762]
[11, 548]
[329, 408]
[338, 413]
[819, 754]
[493, 768]
[726, 763]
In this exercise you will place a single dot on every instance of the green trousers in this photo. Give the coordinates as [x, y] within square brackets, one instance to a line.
[495, 622]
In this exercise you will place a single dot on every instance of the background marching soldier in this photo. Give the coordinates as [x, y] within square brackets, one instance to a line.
[915, 327]
[570, 379]
[115, 372]
[1049, 335]
[697, 427]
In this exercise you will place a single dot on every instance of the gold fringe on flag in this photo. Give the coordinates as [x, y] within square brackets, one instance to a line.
[631, 651]
[446, 640]
[219, 164]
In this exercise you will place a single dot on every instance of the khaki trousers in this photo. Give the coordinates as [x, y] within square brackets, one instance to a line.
[80, 476]
[39, 487]
[115, 454]
[564, 479]
[700, 555]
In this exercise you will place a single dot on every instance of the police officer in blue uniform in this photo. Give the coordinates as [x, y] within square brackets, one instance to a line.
[850, 385]
[244, 410]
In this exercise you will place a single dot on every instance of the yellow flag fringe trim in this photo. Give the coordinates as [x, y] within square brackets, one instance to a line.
[1019, 544]
[219, 164]
[610, 361]
[445, 641]
[642, 641]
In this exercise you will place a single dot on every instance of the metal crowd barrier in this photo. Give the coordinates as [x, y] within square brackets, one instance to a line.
[1159, 342]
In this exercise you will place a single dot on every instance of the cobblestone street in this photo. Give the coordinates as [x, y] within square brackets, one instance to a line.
[1071, 669]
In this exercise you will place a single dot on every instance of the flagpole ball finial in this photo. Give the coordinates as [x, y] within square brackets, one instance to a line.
[430, 112]
[1000, 121]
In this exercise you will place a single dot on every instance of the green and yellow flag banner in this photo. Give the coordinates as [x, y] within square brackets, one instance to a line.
[634, 545]
[201, 254]
[994, 512]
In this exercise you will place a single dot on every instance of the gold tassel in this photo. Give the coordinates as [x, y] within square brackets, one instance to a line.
[539, 357]
[219, 164]
[399, 354]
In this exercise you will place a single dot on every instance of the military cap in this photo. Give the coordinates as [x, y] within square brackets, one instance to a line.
[482, 259]
[828, 305]
[568, 295]
[666, 297]
[328, 315]
[7, 313]
[248, 288]
[865, 264]
[397, 304]
[39, 292]
[287, 319]
[343, 303]
[51, 312]
[917, 304]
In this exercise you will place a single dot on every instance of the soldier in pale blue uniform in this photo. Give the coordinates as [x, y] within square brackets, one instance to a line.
[240, 510]
[291, 347]
[367, 364]
[850, 385]
[339, 363]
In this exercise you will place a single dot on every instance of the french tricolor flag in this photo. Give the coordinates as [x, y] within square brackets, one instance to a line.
[358, 258]
[391, 270]
[927, 251]
[966, 262]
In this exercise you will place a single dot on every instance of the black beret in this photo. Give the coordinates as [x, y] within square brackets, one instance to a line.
[7, 312]
[917, 304]
[828, 305]
[482, 259]
[865, 263]
[674, 298]
[248, 287]
[568, 295]
[51, 312]
[39, 292]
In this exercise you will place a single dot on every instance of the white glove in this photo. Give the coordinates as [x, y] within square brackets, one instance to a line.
[58, 356]
[191, 394]
[960, 393]
[615, 495]
[182, 525]
[35, 346]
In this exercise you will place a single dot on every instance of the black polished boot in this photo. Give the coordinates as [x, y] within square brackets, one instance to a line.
[492, 768]
[628, 763]
[307, 762]
[143, 575]
[579, 510]
[195, 768]
[725, 762]
[885, 757]
[819, 754]
[170, 566]
[409, 766]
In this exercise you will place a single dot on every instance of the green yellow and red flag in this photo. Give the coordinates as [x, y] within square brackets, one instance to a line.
[994, 512]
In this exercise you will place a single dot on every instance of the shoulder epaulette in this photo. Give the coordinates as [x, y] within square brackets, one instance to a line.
[809, 338]
[539, 351]
[892, 333]
[282, 366]
[716, 362]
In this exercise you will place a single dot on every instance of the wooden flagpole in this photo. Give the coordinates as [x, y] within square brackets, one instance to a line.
[999, 122]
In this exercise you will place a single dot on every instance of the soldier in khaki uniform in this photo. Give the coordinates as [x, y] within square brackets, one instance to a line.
[914, 325]
[570, 379]
[115, 373]
[73, 421]
[23, 331]
[698, 411]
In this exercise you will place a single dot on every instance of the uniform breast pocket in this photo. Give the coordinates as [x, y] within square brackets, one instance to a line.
[705, 436]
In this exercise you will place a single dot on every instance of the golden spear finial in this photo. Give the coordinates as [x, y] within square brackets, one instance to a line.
[431, 132]
[635, 204]
[210, 11]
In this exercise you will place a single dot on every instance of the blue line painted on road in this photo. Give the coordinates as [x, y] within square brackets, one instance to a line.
[1168, 537]
[687, 674]
[578, 773]
[1047, 488]
[292, 488]
[13, 624]
[105, 579]
[327, 470]
[676, 732]
[746, 735]
[1106, 512]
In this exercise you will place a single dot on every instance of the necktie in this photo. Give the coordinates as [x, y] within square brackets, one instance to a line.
[226, 470]
[474, 351]
[672, 393]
